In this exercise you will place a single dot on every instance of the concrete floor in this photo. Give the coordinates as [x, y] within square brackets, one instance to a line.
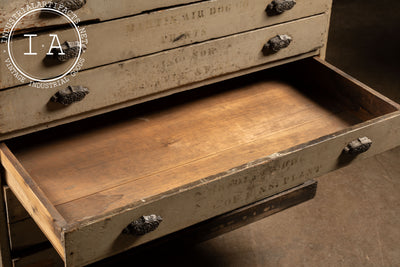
[355, 218]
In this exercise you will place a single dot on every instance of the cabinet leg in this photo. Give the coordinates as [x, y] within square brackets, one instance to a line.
[5, 252]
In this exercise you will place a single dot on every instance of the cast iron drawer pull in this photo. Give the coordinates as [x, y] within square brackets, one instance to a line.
[69, 4]
[277, 43]
[277, 7]
[358, 146]
[70, 50]
[70, 95]
[143, 225]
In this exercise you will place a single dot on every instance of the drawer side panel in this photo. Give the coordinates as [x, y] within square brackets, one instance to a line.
[31, 197]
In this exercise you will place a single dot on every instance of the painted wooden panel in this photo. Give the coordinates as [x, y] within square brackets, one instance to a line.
[157, 73]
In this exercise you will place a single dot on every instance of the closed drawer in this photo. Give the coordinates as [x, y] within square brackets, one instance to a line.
[194, 155]
[140, 79]
[86, 10]
[144, 34]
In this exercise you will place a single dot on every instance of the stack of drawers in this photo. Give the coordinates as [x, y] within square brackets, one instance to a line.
[103, 185]
[153, 54]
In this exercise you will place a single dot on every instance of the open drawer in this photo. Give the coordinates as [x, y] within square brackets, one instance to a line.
[192, 156]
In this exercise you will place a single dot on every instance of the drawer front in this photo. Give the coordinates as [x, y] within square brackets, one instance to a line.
[223, 192]
[149, 33]
[91, 10]
[158, 73]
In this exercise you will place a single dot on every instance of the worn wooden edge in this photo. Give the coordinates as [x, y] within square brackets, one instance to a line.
[165, 93]
[33, 199]
[5, 250]
[229, 221]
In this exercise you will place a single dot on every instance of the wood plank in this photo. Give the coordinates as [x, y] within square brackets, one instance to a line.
[32, 198]
[166, 29]
[159, 72]
[92, 10]
[5, 250]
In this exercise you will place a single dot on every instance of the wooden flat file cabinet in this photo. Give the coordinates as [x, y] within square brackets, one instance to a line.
[140, 156]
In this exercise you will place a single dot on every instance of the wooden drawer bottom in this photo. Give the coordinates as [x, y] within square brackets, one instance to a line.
[193, 156]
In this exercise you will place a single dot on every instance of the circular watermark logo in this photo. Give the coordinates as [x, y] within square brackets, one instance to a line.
[44, 57]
